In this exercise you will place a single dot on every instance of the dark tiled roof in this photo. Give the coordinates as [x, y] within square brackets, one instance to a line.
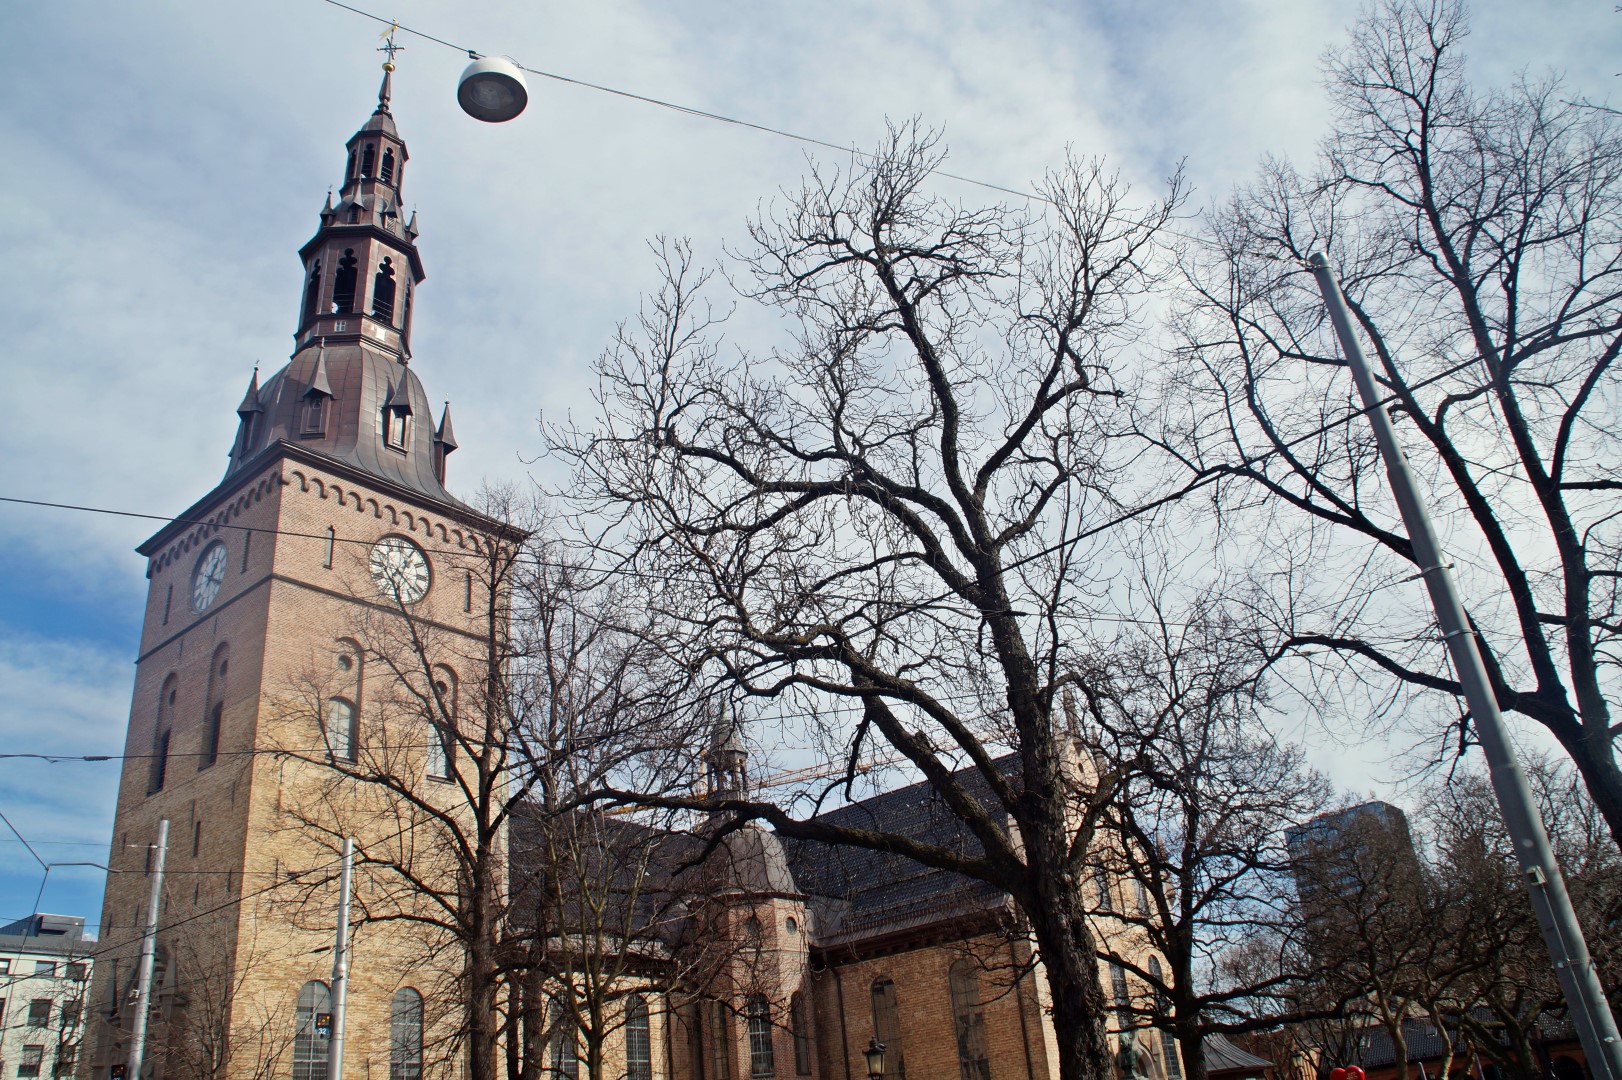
[859, 894]
[1224, 1058]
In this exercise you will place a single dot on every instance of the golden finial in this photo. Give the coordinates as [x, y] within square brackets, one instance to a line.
[389, 46]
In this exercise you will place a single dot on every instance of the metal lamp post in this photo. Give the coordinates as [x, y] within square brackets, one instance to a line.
[1596, 1027]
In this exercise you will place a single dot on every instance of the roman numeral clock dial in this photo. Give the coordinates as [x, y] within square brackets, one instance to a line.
[399, 569]
[207, 577]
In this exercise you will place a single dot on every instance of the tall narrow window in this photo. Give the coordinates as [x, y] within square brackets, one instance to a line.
[196, 837]
[339, 729]
[638, 1043]
[383, 291]
[387, 172]
[214, 708]
[1168, 1044]
[343, 284]
[442, 725]
[887, 1028]
[758, 1012]
[313, 418]
[405, 1035]
[969, 1018]
[799, 1026]
[565, 1047]
[368, 156]
[721, 1042]
[405, 306]
[312, 1029]
[1101, 882]
[349, 172]
[168, 602]
[312, 293]
[1123, 1000]
[332, 542]
[158, 767]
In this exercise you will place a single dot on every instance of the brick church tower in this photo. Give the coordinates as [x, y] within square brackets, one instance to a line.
[258, 673]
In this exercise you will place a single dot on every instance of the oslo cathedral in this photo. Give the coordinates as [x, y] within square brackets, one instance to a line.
[257, 677]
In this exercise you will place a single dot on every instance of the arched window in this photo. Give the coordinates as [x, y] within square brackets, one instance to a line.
[887, 1027]
[638, 1042]
[159, 767]
[405, 1035]
[1168, 1045]
[214, 709]
[442, 725]
[312, 293]
[383, 291]
[1123, 999]
[349, 171]
[338, 728]
[757, 1012]
[312, 1030]
[343, 284]
[565, 1046]
[1101, 882]
[388, 167]
[969, 1018]
[799, 1027]
[368, 156]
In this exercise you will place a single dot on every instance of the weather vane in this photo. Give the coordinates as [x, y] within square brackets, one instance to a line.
[389, 46]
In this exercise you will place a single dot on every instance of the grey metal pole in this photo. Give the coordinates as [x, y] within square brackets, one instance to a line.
[149, 949]
[1596, 1027]
[340, 969]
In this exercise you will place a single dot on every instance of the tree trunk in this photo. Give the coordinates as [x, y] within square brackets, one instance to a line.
[1069, 956]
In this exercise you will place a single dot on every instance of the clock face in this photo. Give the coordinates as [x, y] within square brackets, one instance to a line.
[399, 569]
[206, 578]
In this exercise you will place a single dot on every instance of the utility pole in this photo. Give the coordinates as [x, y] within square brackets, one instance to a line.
[1562, 934]
[149, 949]
[340, 969]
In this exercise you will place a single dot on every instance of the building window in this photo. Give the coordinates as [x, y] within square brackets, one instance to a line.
[758, 1012]
[66, 1056]
[33, 1057]
[565, 1047]
[1168, 1044]
[799, 1025]
[343, 285]
[45, 969]
[313, 416]
[387, 172]
[312, 293]
[396, 422]
[159, 766]
[312, 1030]
[70, 1014]
[405, 1035]
[214, 716]
[1101, 882]
[887, 1027]
[1123, 1000]
[339, 729]
[969, 1018]
[39, 1010]
[77, 972]
[1142, 892]
[720, 1042]
[638, 1043]
[442, 727]
[368, 157]
[383, 291]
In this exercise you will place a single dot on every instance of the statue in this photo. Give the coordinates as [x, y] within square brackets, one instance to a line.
[1132, 1062]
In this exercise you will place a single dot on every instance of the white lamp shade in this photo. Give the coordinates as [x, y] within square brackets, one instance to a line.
[492, 89]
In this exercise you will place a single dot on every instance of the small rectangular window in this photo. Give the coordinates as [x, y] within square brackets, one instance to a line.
[247, 543]
[39, 1013]
[196, 837]
[168, 602]
[467, 599]
[66, 1056]
[33, 1058]
[45, 969]
[78, 972]
[5, 965]
[70, 1015]
[332, 541]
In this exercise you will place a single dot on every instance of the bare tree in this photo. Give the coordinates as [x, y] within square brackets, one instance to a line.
[884, 512]
[1201, 820]
[1478, 238]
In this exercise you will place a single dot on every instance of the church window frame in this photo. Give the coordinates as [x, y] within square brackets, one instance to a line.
[757, 1013]
[338, 728]
[396, 424]
[799, 1027]
[214, 707]
[1171, 1056]
[383, 288]
[405, 1034]
[345, 284]
[312, 293]
[638, 1039]
[442, 719]
[1122, 995]
[968, 1021]
[563, 1056]
[368, 158]
[313, 415]
[311, 1038]
[158, 772]
[887, 1025]
[386, 170]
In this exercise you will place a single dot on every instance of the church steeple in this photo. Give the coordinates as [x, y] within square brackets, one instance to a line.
[362, 266]
[348, 393]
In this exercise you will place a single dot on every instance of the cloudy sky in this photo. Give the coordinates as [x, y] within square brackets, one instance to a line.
[163, 162]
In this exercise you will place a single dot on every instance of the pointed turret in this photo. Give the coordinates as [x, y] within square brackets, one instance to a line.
[726, 762]
[318, 380]
[250, 400]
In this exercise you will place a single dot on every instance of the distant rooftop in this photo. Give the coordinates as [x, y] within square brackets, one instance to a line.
[42, 932]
